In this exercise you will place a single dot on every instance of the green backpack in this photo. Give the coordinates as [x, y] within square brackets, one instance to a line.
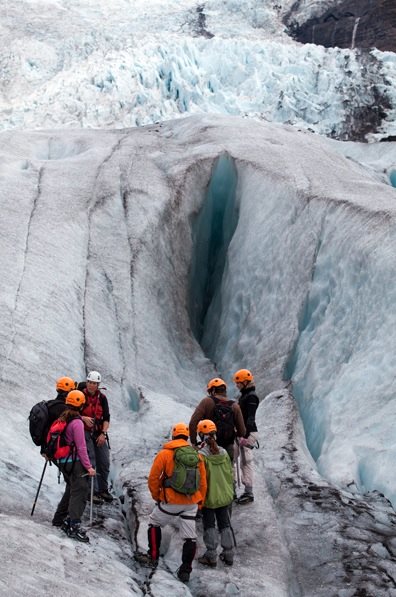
[185, 477]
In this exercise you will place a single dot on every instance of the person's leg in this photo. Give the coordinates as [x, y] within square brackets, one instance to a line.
[62, 509]
[78, 491]
[154, 535]
[78, 499]
[226, 537]
[92, 457]
[102, 456]
[189, 534]
[247, 468]
[210, 537]
[161, 515]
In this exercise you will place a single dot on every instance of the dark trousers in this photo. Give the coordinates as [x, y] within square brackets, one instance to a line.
[100, 460]
[73, 501]
[210, 535]
[211, 515]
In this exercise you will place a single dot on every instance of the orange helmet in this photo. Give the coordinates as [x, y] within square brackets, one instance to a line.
[180, 429]
[65, 384]
[242, 375]
[216, 382]
[75, 398]
[206, 426]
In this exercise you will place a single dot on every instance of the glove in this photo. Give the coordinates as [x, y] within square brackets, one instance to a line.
[243, 442]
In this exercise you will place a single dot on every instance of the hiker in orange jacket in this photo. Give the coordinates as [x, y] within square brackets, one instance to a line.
[171, 503]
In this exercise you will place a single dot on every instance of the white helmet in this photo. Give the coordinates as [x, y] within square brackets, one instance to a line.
[94, 376]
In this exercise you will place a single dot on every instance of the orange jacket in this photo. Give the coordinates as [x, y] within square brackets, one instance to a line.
[162, 468]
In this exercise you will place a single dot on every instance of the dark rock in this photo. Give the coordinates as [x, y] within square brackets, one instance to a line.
[350, 24]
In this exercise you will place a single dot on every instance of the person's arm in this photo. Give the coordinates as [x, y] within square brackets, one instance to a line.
[197, 416]
[239, 423]
[203, 483]
[101, 439]
[155, 476]
[78, 437]
[106, 411]
[251, 408]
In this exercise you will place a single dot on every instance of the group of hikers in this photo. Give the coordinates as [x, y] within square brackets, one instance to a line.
[219, 430]
[75, 438]
[187, 478]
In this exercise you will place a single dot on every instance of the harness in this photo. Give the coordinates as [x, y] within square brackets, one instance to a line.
[184, 516]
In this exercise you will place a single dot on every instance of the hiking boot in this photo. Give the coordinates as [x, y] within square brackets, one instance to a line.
[106, 496]
[207, 561]
[77, 533]
[58, 522]
[97, 500]
[145, 559]
[227, 559]
[65, 525]
[245, 498]
[183, 574]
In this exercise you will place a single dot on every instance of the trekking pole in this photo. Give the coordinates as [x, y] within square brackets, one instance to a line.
[232, 530]
[39, 487]
[238, 470]
[91, 501]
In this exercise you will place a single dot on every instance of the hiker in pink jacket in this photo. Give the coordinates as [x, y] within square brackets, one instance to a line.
[73, 460]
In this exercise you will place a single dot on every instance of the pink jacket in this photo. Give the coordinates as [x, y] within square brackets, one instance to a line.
[75, 435]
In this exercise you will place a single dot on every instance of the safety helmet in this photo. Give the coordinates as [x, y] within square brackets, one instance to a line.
[94, 376]
[65, 384]
[242, 375]
[180, 429]
[206, 426]
[75, 398]
[217, 382]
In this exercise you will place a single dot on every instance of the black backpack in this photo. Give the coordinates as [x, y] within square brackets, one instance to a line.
[223, 418]
[41, 417]
[38, 422]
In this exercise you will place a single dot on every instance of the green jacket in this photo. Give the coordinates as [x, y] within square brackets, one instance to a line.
[220, 479]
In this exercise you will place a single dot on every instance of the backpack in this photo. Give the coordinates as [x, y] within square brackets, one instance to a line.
[186, 476]
[38, 422]
[56, 446]
[40, 418]
[223, 418]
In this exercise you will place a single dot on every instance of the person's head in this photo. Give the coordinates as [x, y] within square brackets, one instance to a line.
[206, 427]
[243, 378]
[180, 431]
[75, 400]
[217, 386]
[206, 430]
[93, 380]
[65, 384]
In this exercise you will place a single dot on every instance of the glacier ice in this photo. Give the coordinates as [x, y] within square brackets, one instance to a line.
[97, 239]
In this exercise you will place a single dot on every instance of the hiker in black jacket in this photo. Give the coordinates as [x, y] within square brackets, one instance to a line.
[248, 402]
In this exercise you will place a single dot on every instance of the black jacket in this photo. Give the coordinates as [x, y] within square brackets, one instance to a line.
[248, 401]
[56, 407]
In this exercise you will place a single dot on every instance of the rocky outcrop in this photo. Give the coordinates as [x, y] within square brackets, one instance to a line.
[350, 24]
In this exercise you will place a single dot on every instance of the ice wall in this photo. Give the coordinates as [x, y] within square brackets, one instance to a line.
[212, 231]
[308, 296]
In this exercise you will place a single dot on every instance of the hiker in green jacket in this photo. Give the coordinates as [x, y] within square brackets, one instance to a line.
[219, 496]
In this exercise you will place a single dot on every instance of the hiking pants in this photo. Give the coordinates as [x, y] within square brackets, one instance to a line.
[210, 535]
[100, 460]
[246, 462]
[164, 514]
[76, 489]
